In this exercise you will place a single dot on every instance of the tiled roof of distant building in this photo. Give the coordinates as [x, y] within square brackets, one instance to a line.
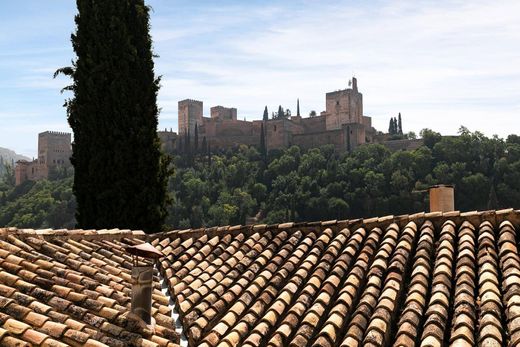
[428, 279]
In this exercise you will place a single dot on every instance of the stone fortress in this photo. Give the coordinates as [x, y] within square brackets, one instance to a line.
[342, 124]
[54, 150]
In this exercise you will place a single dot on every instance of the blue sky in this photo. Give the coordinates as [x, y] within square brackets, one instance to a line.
[441, 64]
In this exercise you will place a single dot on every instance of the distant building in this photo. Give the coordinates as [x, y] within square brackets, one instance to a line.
[342, 124]
[54, 150]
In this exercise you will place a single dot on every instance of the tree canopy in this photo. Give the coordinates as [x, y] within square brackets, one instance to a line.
[316, 184]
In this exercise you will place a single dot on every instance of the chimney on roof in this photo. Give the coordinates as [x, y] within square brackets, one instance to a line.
[442, 198]
[142, 279]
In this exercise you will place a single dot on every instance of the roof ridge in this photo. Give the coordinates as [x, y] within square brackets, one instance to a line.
[74, 234]
[437, 218]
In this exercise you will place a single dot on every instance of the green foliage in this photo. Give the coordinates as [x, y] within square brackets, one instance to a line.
[317, 184]
[120, 175]
[430, 137]
[321, 184]
[7, 177]
[42, 204]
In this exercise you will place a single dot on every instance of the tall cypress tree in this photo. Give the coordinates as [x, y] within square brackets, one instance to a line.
[263, 148]
[266, 114]
[204, 147]
[196, 139]
[399, 125]
[281, 113]
[209, 154]
[120, 176]
[298, 108]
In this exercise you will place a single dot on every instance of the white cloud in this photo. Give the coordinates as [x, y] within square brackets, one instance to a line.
[440, 63]
[454, 61]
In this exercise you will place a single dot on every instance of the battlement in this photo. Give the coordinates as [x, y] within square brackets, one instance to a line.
[55, 133]
[189, 101]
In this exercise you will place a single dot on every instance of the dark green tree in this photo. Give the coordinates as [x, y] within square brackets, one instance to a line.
[8, 176]
[399, 125]
[266, 114]
[298, 108]
[209, 154]
[263, 148]
[204, 146]
[281, 113]
[493, 199]
[180, 147]
[391, 127]
[120, 175]
[196, 139]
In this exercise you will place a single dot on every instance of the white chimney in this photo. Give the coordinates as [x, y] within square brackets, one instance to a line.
[442, 198]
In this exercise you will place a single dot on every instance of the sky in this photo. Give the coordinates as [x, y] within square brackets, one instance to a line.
[441, 64]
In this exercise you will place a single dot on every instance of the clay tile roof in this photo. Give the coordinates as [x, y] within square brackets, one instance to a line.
[73, 288]
[427, 279]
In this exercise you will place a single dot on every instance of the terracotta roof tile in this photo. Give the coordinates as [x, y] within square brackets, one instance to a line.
[425, 279]
[55, 291]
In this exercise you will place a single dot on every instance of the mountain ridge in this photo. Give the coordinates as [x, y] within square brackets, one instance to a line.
[9, 155]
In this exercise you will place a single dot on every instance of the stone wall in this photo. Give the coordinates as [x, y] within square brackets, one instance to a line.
[33, 171]
[406, 145]
[168, 140]
[321, 138]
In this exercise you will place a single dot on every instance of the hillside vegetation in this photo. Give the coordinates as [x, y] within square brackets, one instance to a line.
[296, 185]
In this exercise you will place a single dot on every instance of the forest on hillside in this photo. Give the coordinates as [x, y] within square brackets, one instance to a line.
[294, 185]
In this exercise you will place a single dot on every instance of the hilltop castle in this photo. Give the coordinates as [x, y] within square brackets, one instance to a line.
[342, 124]
[54, 150]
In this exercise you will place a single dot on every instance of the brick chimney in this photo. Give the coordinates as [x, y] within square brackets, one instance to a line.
[142, 279]
[442, 198]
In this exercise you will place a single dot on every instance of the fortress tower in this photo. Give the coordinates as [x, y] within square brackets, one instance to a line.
[344, 107]
[223, 113]
[54, 148]
[190, 113]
